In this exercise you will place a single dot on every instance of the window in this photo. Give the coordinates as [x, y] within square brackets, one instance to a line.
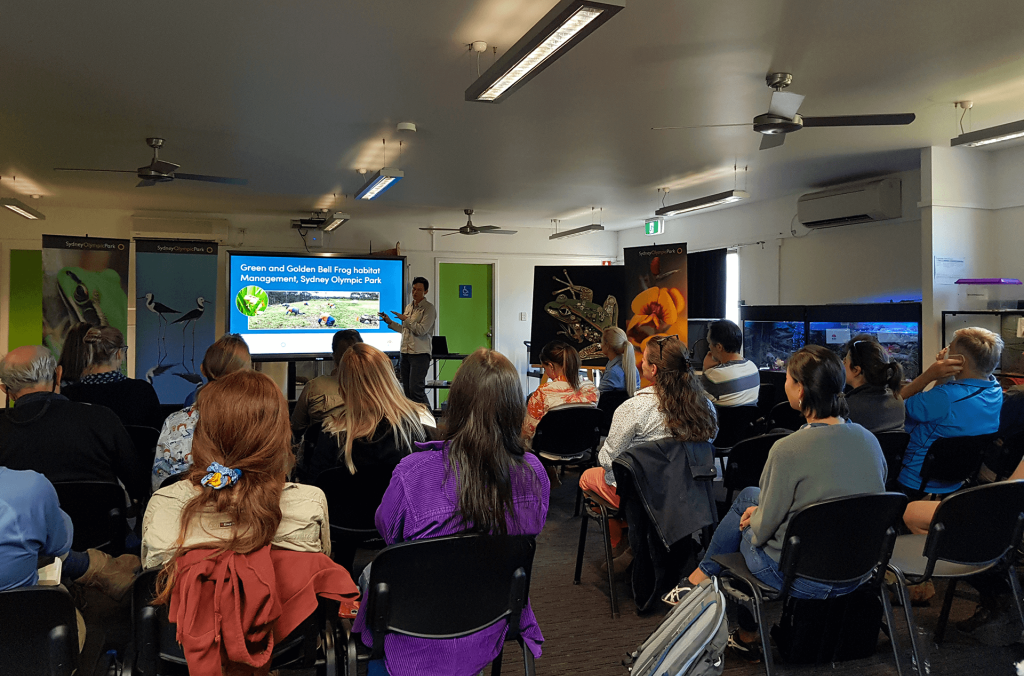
[732, 286]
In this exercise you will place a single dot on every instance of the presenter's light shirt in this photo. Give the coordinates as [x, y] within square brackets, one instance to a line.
[417, 328]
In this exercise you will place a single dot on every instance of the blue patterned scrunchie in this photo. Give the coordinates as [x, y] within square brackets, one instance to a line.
[220, 476]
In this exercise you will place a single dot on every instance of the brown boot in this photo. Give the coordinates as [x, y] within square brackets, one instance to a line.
[111, 576]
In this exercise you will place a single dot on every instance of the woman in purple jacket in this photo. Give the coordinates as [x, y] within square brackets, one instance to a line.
[479, 479]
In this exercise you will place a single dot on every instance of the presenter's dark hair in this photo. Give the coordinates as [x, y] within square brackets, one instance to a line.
[823, 376]
[483, 427]
[565, 356]
[727, 334]
[423, 281]
[867, 354]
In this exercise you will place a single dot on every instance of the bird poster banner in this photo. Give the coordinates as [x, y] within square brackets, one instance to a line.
[656, 290]
[85, 279]
[175, 281]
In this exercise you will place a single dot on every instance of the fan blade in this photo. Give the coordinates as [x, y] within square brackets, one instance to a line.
[859, 120]
[145, 183]
[487, 227]
[772, 141]
[705, 126]
[112, 171]
[161, 167]
[497, 232]
[440, 229]
[451, 233]
[212, 179]
[785, 104]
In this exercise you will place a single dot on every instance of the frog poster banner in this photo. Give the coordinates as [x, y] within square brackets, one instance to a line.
[85, 279]
[655, 293]
[575, 304]
[175, 281]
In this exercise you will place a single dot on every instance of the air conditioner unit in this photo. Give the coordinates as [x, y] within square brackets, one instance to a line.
[866, 202]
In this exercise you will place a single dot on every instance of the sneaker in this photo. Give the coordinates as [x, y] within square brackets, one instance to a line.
[675, 596]
[750, 652]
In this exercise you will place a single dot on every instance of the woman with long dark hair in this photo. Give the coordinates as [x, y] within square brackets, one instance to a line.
[479, 479]
[563, 387]
[674, 406]
[828, 457]
[876, 380]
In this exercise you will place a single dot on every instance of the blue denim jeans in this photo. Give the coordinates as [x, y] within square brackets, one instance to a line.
[728, 538]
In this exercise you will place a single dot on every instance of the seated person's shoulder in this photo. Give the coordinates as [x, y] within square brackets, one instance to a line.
[294, 491]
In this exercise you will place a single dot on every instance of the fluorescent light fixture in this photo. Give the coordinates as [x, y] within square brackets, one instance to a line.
[576, 232]
[335, 220]
[984, 137]
[726, 197]
[381, 181]
[22, 209]
[565, 25]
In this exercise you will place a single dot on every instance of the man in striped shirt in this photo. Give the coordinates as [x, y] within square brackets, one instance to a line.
[728, 378]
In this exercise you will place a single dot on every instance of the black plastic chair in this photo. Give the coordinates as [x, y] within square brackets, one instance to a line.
[735, 423]
[98, 513]
[1003, 456]
[784, 416]
[167, 409]
[352, 502]
[570, 435]
[973, 531]
[607, 404]
[954, 459]
[894, 445]
[155, 651]
[449, 587]
[765, 398]
[38, 632]
[600, 510]
[144, 439]
[816, 549]
[173, 479]
[746, 461]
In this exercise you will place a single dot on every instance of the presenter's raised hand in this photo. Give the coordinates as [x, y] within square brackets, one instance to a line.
[399, 316]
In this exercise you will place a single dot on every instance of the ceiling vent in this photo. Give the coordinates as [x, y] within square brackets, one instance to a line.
[878, 200]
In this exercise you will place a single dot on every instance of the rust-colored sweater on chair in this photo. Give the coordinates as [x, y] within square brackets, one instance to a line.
[231, 608]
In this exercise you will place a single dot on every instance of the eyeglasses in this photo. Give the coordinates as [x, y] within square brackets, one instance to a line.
[660, 342]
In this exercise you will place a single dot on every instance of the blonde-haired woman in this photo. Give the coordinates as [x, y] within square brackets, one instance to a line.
[378, 426]
[174, 447]
[620, 373]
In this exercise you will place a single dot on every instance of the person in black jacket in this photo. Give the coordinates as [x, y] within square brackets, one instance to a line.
[102, 351]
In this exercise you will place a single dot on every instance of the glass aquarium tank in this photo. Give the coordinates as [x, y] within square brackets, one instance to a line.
[769, 344]
[901, 340]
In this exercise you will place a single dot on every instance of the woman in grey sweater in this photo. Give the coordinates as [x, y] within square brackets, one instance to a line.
[828, 457]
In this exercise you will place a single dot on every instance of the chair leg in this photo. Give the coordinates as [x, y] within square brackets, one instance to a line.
[947, 605]
[890, 621]
[527, 659]
[330, 657]
[1015, 586]
[496, 663]
[918, 644]
[762, 629]
[579, 550]
[579, 501]
[606, 532]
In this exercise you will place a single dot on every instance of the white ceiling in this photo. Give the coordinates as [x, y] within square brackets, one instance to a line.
[295, 96]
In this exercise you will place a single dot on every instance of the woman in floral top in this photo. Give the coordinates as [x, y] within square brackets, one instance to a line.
[564, 386]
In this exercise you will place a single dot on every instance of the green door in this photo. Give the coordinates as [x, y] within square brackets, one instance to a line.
[464, 311]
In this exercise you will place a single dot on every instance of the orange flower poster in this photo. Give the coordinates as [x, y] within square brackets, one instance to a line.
[656, 294]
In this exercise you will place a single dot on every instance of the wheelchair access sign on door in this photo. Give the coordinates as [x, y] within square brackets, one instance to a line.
[465, 290]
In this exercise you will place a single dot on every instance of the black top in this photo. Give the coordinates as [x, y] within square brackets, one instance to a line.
[134, 401]
[378, 449]
[69, 441]
[875, 409]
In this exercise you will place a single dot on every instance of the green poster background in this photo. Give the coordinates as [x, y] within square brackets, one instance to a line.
[25, 315]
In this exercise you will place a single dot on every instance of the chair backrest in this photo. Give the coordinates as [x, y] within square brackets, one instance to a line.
[735, 423]
[785, 416]
[954, 459]
[1003, 458]
[450, 586]
[977, 525]
[747, 459]
[97, 511]
[167, 409]
[568, 431]
[144, 439]
[38, 632]
[894, 445]
[841, 540]
[765, 398]
[607, 404]
[173, 479]
[353, 499]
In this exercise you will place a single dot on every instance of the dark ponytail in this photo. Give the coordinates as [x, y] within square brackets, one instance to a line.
[558, 353]
[821, 372]
[873, 360]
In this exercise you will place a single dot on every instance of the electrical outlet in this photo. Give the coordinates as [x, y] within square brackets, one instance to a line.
[522, 316]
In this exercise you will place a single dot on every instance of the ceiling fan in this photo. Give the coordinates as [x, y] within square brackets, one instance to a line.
[782, 117]
[160, 171]
[470, 229]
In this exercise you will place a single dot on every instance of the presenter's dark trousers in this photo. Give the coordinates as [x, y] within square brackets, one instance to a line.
[413, 368]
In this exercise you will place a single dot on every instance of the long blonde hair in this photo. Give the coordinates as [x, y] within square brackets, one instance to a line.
[615, 339]
[371, 391]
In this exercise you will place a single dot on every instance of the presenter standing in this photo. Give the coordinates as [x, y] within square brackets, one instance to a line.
[416, 327]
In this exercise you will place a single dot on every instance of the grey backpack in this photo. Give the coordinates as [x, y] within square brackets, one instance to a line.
[692, 639]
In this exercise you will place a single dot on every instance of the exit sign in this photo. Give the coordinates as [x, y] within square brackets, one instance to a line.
[654, 226]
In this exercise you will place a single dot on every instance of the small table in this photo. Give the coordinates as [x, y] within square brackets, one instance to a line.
[434, 385]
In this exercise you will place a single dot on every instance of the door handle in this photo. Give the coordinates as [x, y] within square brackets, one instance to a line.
[489, 335]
